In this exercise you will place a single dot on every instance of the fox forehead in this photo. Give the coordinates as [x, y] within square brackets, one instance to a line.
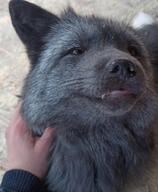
[80, 30]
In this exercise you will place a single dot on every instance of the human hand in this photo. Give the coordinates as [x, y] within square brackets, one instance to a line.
[25, 151]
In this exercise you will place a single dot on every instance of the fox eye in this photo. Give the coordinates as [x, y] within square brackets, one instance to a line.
[76, 51]
[133, 50]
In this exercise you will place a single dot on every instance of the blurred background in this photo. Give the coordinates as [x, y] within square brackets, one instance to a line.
[13, 61]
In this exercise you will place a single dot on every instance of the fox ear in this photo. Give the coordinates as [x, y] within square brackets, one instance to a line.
[32, 24]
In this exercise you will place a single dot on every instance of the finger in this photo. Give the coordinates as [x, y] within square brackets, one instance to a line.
[44, 142]
[18, 126]
[13, 120]
[16, 113]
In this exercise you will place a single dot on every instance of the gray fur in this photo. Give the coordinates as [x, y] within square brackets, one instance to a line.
[98, 145]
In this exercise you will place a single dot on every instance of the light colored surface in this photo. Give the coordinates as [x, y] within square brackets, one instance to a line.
[13, 61]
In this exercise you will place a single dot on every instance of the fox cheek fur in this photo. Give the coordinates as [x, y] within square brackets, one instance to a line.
[91, 79]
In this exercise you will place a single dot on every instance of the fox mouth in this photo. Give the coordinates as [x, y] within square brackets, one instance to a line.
[118, 93]
[116, 102]
[113, 96]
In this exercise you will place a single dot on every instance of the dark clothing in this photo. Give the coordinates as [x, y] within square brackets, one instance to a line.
[21, 181]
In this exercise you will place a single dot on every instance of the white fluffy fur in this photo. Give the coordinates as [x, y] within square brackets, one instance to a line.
[142, 19]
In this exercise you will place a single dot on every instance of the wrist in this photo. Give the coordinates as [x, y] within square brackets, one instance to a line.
[31, 168]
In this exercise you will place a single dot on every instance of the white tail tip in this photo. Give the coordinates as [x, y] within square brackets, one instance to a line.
[142, 19]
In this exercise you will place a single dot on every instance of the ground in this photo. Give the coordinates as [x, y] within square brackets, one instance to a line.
[13, 61]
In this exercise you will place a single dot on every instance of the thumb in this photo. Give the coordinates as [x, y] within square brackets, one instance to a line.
[44, 142]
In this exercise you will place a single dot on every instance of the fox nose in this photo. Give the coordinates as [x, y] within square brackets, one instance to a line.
[123, 68]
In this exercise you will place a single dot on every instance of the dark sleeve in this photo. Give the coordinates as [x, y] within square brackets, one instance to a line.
[21, 181]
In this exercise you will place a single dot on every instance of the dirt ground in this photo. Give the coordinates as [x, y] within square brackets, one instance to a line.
[13, 61]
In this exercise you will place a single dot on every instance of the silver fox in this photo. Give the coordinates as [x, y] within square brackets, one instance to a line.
[92, 79]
